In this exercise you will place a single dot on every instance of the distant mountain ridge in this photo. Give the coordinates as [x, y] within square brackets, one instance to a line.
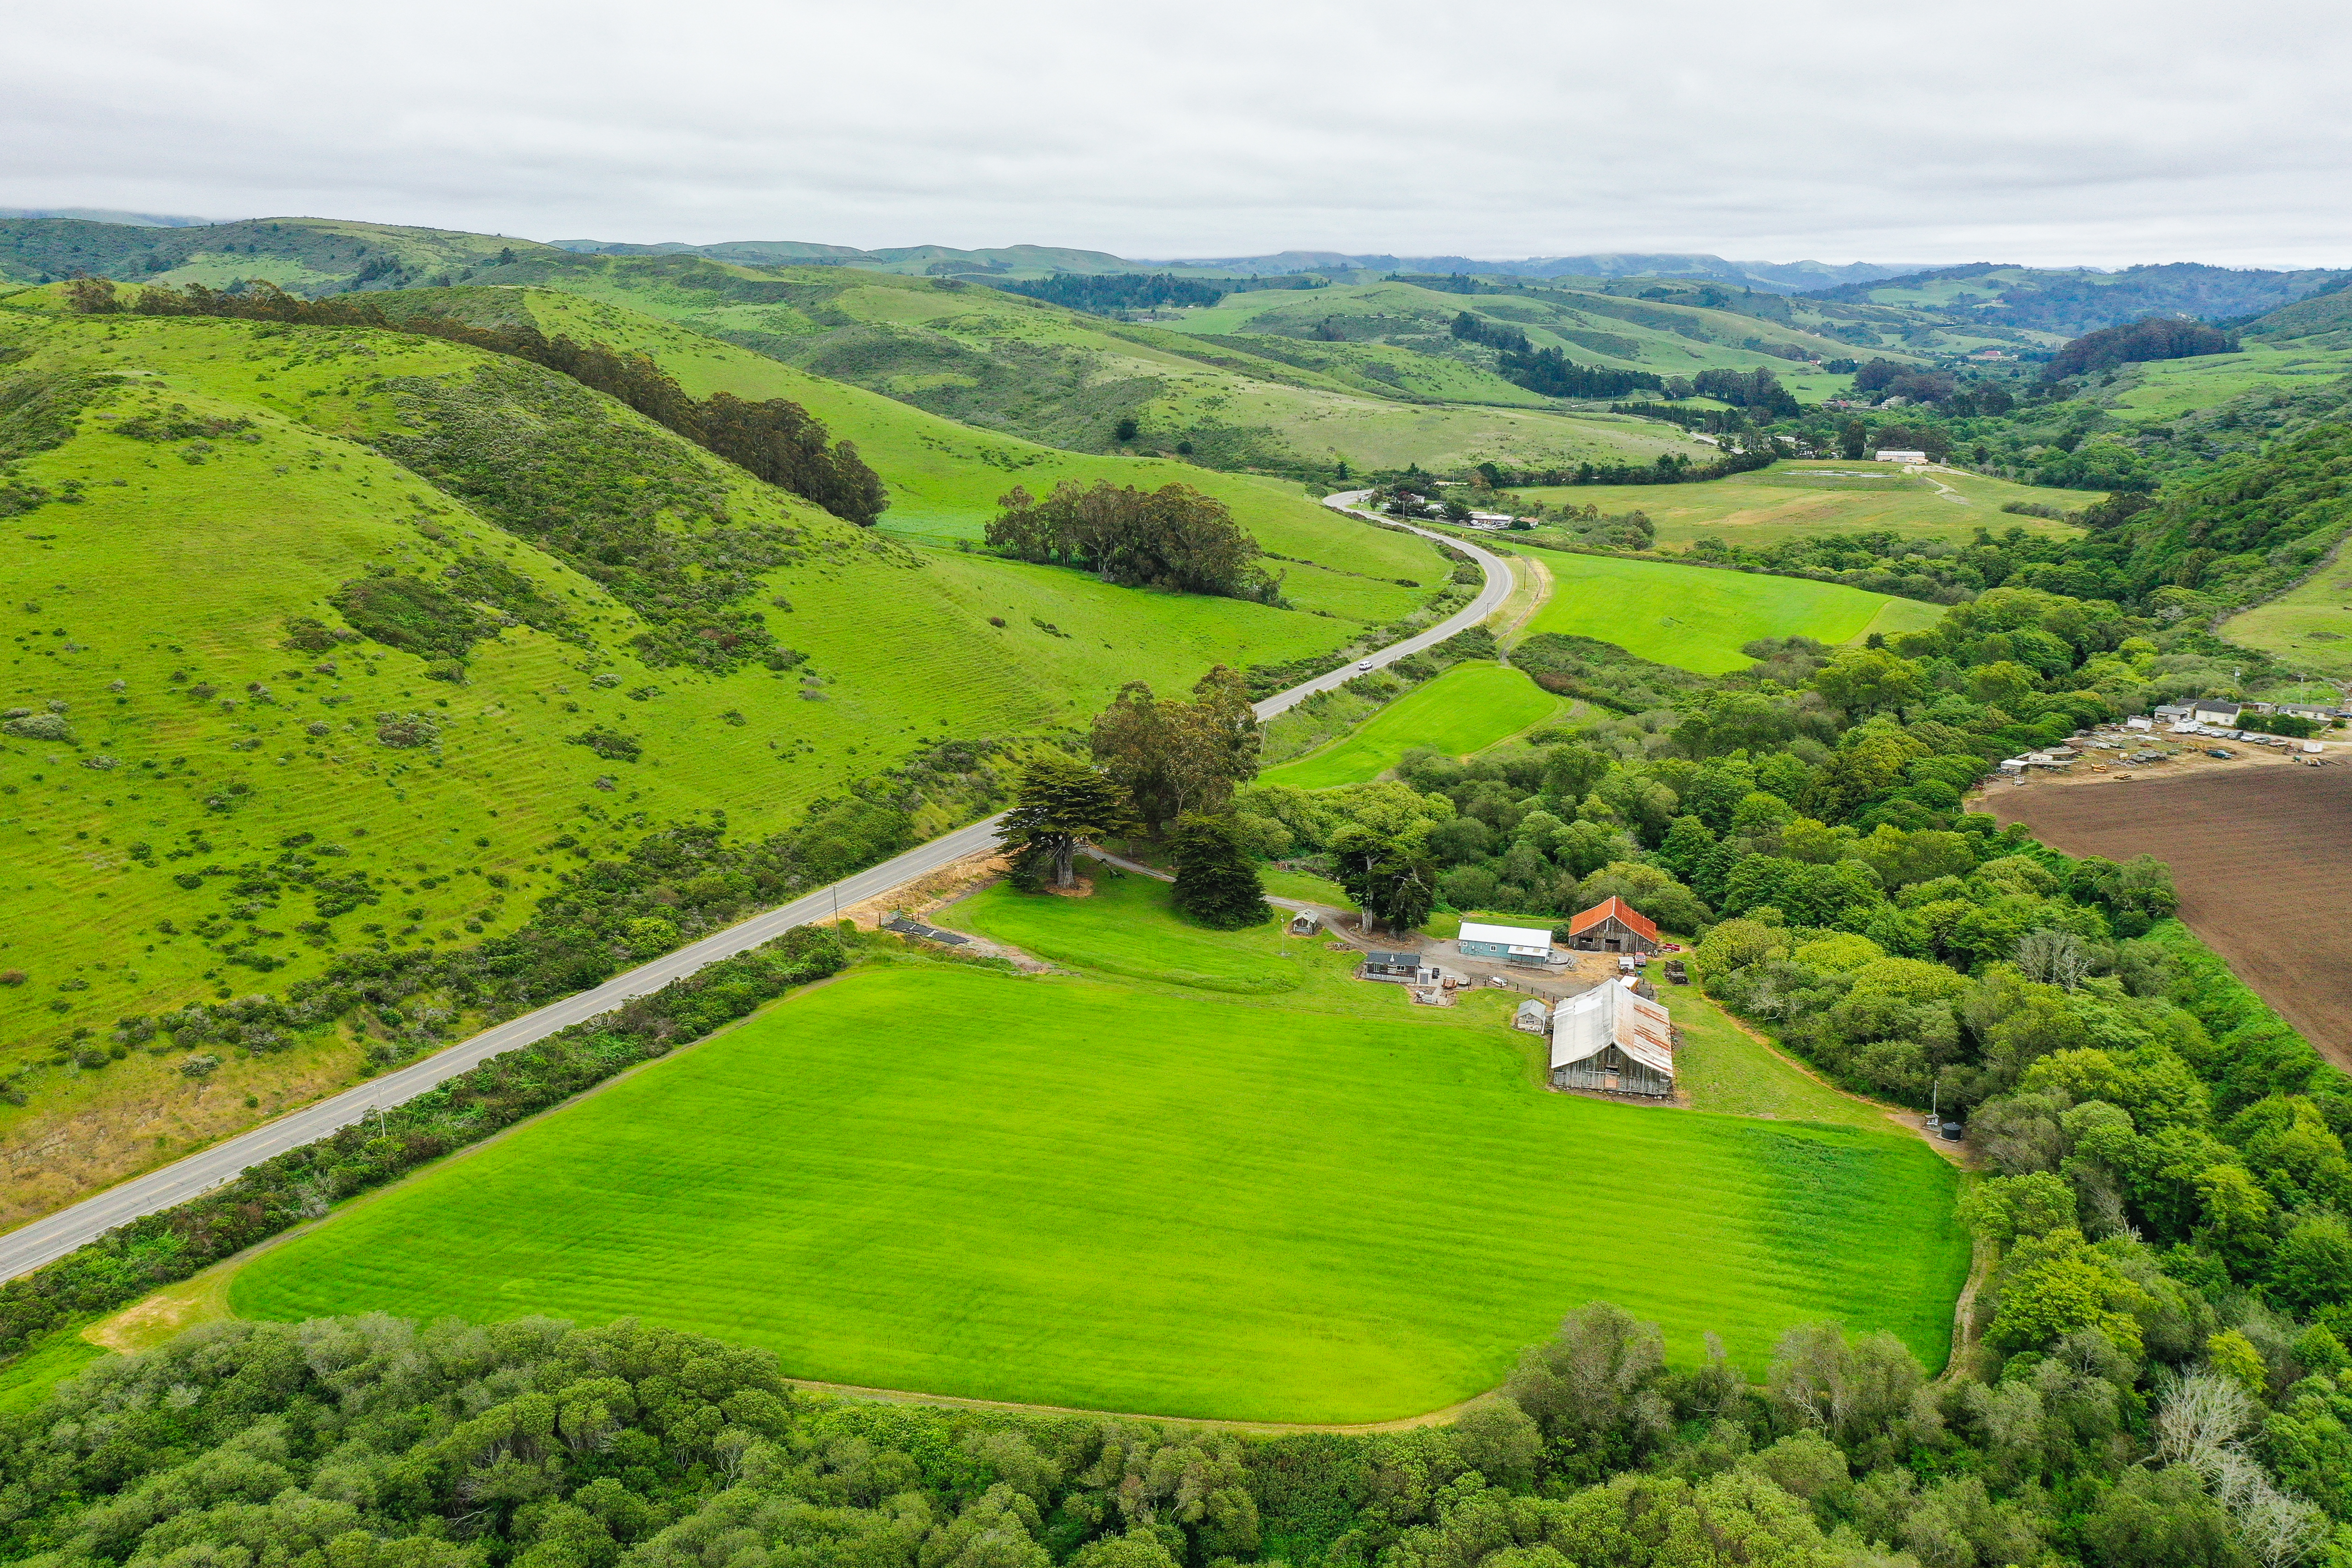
[1780, 276]
[2078, 299]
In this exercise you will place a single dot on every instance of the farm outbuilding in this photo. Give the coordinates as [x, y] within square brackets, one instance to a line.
[1402, 968]
[1306, 922]
[1533, 1016]
[1612, 926]
[1512, 944]
[1609, 1039]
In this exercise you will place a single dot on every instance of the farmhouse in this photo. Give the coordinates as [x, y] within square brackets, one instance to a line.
[1513, 944]
[1608, 1038]
[1612, 926]
[2213, 710]
[1402, 968]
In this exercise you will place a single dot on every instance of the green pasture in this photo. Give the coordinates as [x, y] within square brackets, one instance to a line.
[2167, 389]
[2308, 630]
[1792, 499]
[172, 566]
[1466, 710]
[1698, 617]
[1249, 1199]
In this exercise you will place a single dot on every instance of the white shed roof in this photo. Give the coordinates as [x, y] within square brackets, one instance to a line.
[1508, 936]
[1612, 1015]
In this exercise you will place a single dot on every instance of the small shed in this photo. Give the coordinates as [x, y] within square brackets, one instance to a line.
[1612, 926]
[1306, 922]
[1609, 1039]
[1512, 944]
[1403, 968]
[1533, 1016]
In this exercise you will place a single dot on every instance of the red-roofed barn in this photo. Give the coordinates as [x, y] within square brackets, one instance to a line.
[1612, 926]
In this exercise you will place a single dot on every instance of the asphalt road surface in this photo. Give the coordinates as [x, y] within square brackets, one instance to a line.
[48, 1239]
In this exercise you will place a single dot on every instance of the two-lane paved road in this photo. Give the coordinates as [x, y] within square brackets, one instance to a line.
[48, 1239]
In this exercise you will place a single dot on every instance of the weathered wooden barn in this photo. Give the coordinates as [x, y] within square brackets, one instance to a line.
[1609, 1039]
[1612, 926]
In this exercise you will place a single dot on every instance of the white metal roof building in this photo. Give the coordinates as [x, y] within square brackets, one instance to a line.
[1516, 944]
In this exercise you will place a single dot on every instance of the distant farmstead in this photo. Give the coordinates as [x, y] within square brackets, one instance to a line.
[1899, 455]
[1610, 1040]
[1612, 926]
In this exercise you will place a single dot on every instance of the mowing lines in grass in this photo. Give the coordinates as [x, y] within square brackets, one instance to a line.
[1466, 710]
[1318, 1205]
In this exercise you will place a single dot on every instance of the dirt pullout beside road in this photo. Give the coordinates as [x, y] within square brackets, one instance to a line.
[2262, 860]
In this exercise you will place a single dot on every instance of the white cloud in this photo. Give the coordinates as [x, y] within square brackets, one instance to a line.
[2052, 132]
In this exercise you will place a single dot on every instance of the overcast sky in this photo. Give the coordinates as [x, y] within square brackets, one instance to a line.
[2054, 132]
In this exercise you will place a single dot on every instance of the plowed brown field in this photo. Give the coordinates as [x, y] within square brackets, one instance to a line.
[2262, 855]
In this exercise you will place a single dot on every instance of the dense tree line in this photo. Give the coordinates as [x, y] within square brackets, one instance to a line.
[1554, 375]
[1471, 328]
[1172, 538]
[1757, 389]
[776, 440]
[2156, 338]
[1101, 293]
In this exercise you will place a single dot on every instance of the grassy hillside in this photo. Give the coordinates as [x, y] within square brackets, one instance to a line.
[1329, 1206]
[1018, 365]
[211, 784]
[1794, 499]
[1695, 618]
[945, 477]
[2307, 629]
[1670, 336]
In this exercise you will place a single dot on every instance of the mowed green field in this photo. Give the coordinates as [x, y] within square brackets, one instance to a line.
[1466, 710]
[1696, 617]
[1280, 1194]
[1792, 499]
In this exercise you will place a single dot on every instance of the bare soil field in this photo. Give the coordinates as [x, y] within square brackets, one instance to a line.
[2261, 856]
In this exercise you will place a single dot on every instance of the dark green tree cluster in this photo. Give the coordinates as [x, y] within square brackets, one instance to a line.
[1554, 375]
[1062, 804]
[2156, 338]
[376, 1443]
[1173, 538]
[1102, 293]
[1471, 328]
[1759, 390]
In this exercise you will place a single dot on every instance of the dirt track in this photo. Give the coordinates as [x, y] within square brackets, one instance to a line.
[2261, 856]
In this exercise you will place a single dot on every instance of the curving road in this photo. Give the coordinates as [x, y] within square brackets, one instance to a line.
[49, 1238]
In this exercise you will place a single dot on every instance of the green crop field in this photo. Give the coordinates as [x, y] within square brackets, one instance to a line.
[2309, 630]
[1279, 1194]
[1697, 618]
[1790, 499]
[1466, 710]
[155, 607]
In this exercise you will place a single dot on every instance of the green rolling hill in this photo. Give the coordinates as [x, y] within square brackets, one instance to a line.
[1006, 362]
[337, 641]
